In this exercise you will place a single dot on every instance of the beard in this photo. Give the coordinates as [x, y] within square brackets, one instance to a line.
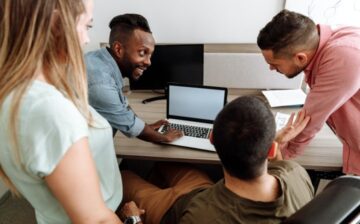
[297, 71]
[130, 70]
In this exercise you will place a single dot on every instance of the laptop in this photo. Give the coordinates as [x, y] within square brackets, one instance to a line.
[193, 110]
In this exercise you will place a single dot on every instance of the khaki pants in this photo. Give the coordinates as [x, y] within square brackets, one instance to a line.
[177, 179]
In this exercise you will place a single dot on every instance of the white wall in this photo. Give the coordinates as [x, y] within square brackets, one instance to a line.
[331, 12]
[190, 21]
[244, 70]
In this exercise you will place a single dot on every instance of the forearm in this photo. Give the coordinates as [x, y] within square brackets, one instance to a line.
[293, 149]
[151, 135]
[104, 215]
[67, 181]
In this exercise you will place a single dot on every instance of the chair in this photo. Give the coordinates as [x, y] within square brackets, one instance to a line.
[339, 202]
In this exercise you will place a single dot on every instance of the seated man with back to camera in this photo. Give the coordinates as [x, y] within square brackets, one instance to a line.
[131, 46]
[252, 190]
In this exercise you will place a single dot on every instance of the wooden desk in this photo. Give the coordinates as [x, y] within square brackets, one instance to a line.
[323, 153]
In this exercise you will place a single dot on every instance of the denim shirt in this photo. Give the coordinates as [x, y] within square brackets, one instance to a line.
[105, 93]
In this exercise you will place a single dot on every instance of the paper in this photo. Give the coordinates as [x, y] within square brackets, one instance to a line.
[281, 119]
[279, 98]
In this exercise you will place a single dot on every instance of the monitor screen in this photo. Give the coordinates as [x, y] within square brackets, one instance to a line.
[198, 103]
[179, 63]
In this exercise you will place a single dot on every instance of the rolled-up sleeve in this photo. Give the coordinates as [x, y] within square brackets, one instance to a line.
[108, 101]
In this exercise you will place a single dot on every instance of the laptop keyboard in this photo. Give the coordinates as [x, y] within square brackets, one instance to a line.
[192, 131]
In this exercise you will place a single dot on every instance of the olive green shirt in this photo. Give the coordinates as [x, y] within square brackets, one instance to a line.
[218, 204]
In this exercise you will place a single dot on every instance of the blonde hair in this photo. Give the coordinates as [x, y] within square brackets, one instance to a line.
[40, 34]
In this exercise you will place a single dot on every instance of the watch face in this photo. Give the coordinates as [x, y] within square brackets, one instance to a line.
[129, 220]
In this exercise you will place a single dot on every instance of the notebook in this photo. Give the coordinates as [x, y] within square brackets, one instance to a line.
[193, 110]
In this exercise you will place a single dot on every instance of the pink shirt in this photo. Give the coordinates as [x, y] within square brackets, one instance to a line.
[334, 79]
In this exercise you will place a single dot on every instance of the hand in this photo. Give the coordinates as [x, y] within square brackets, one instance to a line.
[292, 128]
[172, 135]
[152, 135]
[158, 124]
[131, 209]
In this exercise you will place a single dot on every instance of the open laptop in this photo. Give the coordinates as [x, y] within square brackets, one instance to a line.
[193, 110]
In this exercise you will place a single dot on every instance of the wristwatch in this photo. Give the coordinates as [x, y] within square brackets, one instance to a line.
[132, 219]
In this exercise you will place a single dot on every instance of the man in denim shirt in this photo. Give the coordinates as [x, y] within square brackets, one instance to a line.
[131, 47]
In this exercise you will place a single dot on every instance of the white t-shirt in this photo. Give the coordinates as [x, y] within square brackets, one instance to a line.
[48, 125]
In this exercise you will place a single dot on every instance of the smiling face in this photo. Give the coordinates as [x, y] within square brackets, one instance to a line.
[133, 57]
[288, 66]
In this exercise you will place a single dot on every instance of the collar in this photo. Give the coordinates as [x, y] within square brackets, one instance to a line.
[231, 197]
[107, 55]
[110, 59]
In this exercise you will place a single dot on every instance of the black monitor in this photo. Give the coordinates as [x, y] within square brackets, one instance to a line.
[179, 63]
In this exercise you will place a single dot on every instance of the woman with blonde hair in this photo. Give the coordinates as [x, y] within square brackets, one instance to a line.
[55, 150]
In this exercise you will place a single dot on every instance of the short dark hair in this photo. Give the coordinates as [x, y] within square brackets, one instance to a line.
[287, 32]
[122, 27]
[243, 133]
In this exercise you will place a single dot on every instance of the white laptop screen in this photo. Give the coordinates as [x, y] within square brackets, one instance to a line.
[196, 103]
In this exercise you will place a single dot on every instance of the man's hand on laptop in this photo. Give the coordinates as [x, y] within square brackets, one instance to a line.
[158, 124]
[172, 134]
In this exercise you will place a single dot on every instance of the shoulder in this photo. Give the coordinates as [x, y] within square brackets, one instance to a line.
[201, 201]
[46, 107]
[289, 171]
[206, 206]
[346, 36]
[339, 59]
[344, 42]
[49, 125]
[94, 56]
[294, 179]
[96, 62]
[99, 58]
[101, 68]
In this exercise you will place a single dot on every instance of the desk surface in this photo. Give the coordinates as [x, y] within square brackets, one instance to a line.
[323, 153]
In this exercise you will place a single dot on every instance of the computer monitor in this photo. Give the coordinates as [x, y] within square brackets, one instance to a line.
[179, 63]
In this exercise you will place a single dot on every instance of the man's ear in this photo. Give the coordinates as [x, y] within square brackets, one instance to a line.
[301, 58]
[272, 151]
[211, 137]
[118, 49]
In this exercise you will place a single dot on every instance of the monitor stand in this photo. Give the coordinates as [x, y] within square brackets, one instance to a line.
[148, 100]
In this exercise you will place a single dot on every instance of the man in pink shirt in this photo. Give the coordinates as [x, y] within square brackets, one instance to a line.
[330, 58]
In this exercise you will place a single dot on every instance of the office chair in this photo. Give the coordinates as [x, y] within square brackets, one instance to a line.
[339, 202]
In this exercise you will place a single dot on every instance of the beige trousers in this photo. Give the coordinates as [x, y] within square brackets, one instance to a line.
[177, 180]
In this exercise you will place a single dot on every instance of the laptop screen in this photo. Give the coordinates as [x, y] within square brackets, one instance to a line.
[195, 103]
